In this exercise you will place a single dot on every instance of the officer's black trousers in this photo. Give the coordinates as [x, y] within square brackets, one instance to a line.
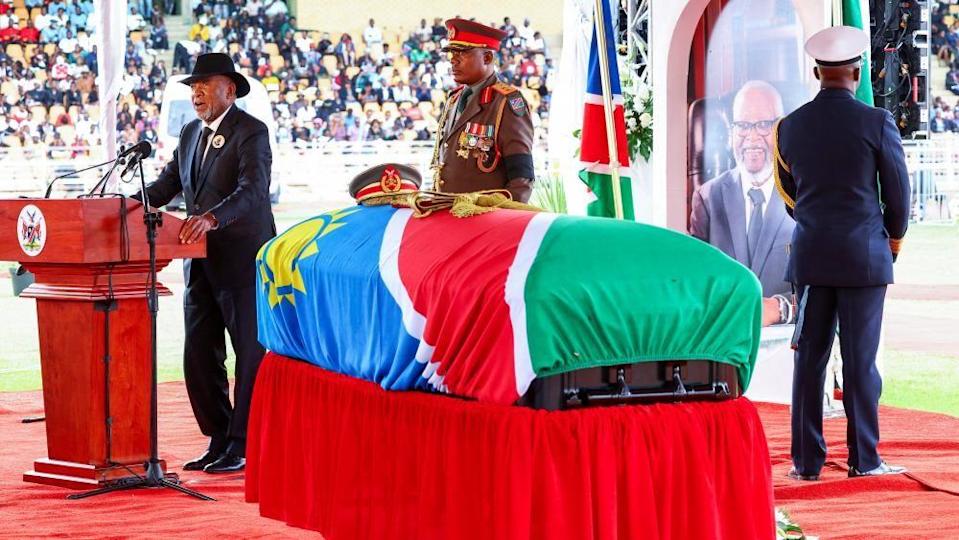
[858, 311]
[208, 311]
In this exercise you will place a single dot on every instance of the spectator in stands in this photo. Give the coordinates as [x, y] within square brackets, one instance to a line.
[42, 20]
[200, 31]
[29, 33]
[276, 8]
[952, 80]
[158, 35]
[253, 7]
[940, 124]
[373, 39]
[135, 21]
[10, 32]
[53, 33]
[537, 45]
[345, 50]
[78, 18]
[423, 33]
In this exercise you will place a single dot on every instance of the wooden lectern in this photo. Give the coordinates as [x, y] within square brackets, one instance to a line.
[91, 262]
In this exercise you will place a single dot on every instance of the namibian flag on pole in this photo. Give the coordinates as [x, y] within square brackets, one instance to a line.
[855, 13]
[604, 126]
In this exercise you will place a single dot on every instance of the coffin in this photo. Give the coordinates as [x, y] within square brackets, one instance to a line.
[510, 306]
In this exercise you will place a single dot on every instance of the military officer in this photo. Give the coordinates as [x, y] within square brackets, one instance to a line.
[849, 228]
[485, 135]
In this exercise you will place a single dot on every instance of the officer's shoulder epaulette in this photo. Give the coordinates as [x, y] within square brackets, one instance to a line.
[504, 88]
[517, 103]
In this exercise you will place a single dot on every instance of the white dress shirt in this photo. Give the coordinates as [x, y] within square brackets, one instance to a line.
[214, 125]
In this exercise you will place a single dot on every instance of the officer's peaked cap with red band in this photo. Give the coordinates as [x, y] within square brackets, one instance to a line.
[384, 180]
[463, 34]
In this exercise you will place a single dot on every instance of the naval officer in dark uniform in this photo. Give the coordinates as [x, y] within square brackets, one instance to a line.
[222, 167]
[485, 135]
[841, 171]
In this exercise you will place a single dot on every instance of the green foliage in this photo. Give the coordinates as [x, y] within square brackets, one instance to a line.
[549, 194]
[786, 528]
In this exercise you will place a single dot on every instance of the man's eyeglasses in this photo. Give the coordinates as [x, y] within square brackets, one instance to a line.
[763, 127]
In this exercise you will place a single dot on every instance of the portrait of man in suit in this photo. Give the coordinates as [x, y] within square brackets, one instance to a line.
[740, 212]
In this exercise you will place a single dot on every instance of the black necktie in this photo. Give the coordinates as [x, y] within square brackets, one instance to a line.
[755, 221]
[200, 150]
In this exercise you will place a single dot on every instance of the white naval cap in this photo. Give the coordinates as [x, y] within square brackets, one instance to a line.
[837, 45]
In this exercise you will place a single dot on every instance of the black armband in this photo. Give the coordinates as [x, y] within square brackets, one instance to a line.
[518, 166]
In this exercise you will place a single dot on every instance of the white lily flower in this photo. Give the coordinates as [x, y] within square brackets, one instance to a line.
[645, 119]
[642, 94]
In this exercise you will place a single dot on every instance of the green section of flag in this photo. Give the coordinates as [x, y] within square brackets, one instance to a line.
[856, 13]
[602, 187]
[606, 292]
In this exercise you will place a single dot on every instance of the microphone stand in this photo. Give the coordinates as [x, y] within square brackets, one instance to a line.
[154, 477]
[49, 190]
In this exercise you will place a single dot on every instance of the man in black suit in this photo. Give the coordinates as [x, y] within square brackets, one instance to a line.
[222, 167]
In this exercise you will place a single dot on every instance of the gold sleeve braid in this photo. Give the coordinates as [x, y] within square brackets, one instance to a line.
[790, 202]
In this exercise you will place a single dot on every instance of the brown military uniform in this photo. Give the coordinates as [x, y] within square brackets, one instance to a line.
[488, 146]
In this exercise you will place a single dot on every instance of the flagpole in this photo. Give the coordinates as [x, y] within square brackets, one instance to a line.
[608, 108]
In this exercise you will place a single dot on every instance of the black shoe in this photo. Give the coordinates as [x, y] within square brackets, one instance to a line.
[227, 463]
[794, 474]
[199, 463]
[881, 470]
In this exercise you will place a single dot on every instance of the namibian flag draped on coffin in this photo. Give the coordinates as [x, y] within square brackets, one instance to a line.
[481, 306]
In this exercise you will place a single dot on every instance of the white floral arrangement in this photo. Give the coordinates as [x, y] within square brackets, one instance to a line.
[638, 109]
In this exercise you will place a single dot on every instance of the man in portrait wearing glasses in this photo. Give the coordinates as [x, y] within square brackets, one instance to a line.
[740, 212]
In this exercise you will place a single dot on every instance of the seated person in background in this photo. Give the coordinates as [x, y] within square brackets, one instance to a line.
[739, 211]
[385, 184]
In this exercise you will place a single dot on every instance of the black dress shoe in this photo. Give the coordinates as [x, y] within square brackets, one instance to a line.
[199, 463]
[227, 463]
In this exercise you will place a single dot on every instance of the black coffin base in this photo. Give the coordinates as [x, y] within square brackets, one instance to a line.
[641, 382]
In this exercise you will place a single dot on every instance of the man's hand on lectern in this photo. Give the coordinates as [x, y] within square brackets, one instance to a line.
[196, 226]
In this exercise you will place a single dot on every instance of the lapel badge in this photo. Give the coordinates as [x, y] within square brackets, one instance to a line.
[218, 141]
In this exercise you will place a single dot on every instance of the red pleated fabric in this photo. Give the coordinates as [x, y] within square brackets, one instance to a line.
[344, 457]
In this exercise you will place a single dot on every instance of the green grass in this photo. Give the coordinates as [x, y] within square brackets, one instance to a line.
[921, 381]
[930, 255]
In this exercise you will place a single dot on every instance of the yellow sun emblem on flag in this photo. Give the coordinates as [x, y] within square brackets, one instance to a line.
[279, 260]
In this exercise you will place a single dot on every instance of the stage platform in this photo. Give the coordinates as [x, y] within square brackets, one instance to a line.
[835, 508]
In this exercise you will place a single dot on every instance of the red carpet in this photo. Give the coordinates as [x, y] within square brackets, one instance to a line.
[889, 507]
[35, 511]
[835, 508]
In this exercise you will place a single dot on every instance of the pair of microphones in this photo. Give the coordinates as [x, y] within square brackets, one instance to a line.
[129, 157]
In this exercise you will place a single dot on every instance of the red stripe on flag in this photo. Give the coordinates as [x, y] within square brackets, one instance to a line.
[455, 271]
[594, 147]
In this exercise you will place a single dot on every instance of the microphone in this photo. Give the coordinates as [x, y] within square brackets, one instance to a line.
[46, 195]
[140, 150]
[135, 151]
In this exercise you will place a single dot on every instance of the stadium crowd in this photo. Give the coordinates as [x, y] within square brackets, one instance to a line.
[381, 85]
[945, 46]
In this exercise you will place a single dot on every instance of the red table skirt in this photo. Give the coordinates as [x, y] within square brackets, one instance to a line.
[344, 457]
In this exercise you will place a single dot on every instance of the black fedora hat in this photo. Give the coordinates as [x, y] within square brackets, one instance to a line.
[210, 64]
